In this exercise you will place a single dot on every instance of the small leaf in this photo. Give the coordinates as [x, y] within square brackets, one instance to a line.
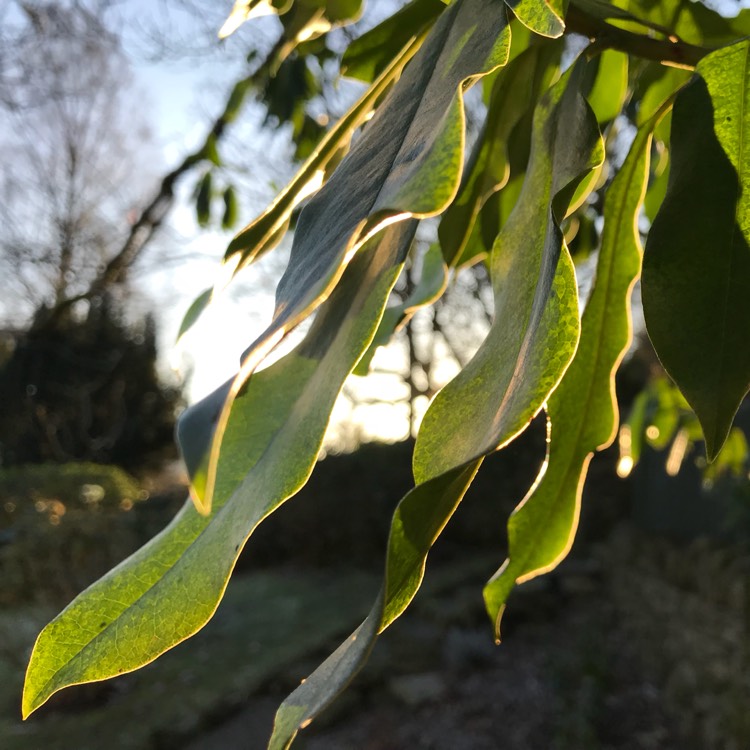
[199, 304]
[583, 409]
[610, 86]
[230, 208]
[544, 17]
[211, 151]
[431, 285]
[203, 201]
[696, 269]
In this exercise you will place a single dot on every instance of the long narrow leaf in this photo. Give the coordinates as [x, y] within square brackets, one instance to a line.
[583, 409]
[407, 163]
[529, 254]
[169, 589]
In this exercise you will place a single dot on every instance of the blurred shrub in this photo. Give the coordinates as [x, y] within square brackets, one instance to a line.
[84, 387]
[62, 526]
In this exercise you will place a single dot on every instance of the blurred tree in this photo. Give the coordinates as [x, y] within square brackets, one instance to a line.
[80, 380]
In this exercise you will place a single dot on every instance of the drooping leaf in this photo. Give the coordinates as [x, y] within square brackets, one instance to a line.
[211, 151]
[407, 163]
[536, 307]
[516, 90]
[610, 86]
[690, 21]
[528, 254]
[369, 55]
[696, 269]
[264, 232]
[138, 610]
[583, 409]
[419, 519]
[431, 285]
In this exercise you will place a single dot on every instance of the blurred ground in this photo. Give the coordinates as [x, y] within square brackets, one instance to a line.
[635, 643]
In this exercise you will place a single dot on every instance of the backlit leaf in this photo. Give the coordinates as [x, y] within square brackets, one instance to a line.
[529, 259]
[369, 55]
[273, 437]
[583, 409]
[407, 163]
[696, 272]
[515, 91]
[431, 285]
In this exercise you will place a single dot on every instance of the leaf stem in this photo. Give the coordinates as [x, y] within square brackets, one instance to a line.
[669, 51]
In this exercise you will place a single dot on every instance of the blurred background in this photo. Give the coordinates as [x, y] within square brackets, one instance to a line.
[134, 144]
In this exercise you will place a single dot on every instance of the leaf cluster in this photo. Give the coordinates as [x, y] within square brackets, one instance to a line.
[565, 159]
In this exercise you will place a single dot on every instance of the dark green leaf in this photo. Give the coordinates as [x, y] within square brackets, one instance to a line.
[696, 270]
[203, 201]
[199, 304]
[230, 209]
[369, 55]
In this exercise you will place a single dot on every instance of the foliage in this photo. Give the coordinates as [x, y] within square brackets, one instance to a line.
[85, 389]
[548, 163]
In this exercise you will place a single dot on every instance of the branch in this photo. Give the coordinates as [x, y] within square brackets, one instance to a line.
[669, 51]
[153, 215]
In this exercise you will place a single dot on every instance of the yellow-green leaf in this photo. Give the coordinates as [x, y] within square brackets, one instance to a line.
[583, 410]
[529, 257]
[170, 588]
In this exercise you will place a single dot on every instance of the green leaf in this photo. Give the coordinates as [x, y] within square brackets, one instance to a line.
[583, 409]
[407, 163]
[696, 269]
[544, 17]
[230, 208]
[211, 151]
[265, 232]
[203, 200]
[529, 253]
[369, 55]
[536, 306]
[690, 21]
[418, 521]
[431, 285]
[138, 610]
[610, 86]
[516, 90]
[198, 305]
